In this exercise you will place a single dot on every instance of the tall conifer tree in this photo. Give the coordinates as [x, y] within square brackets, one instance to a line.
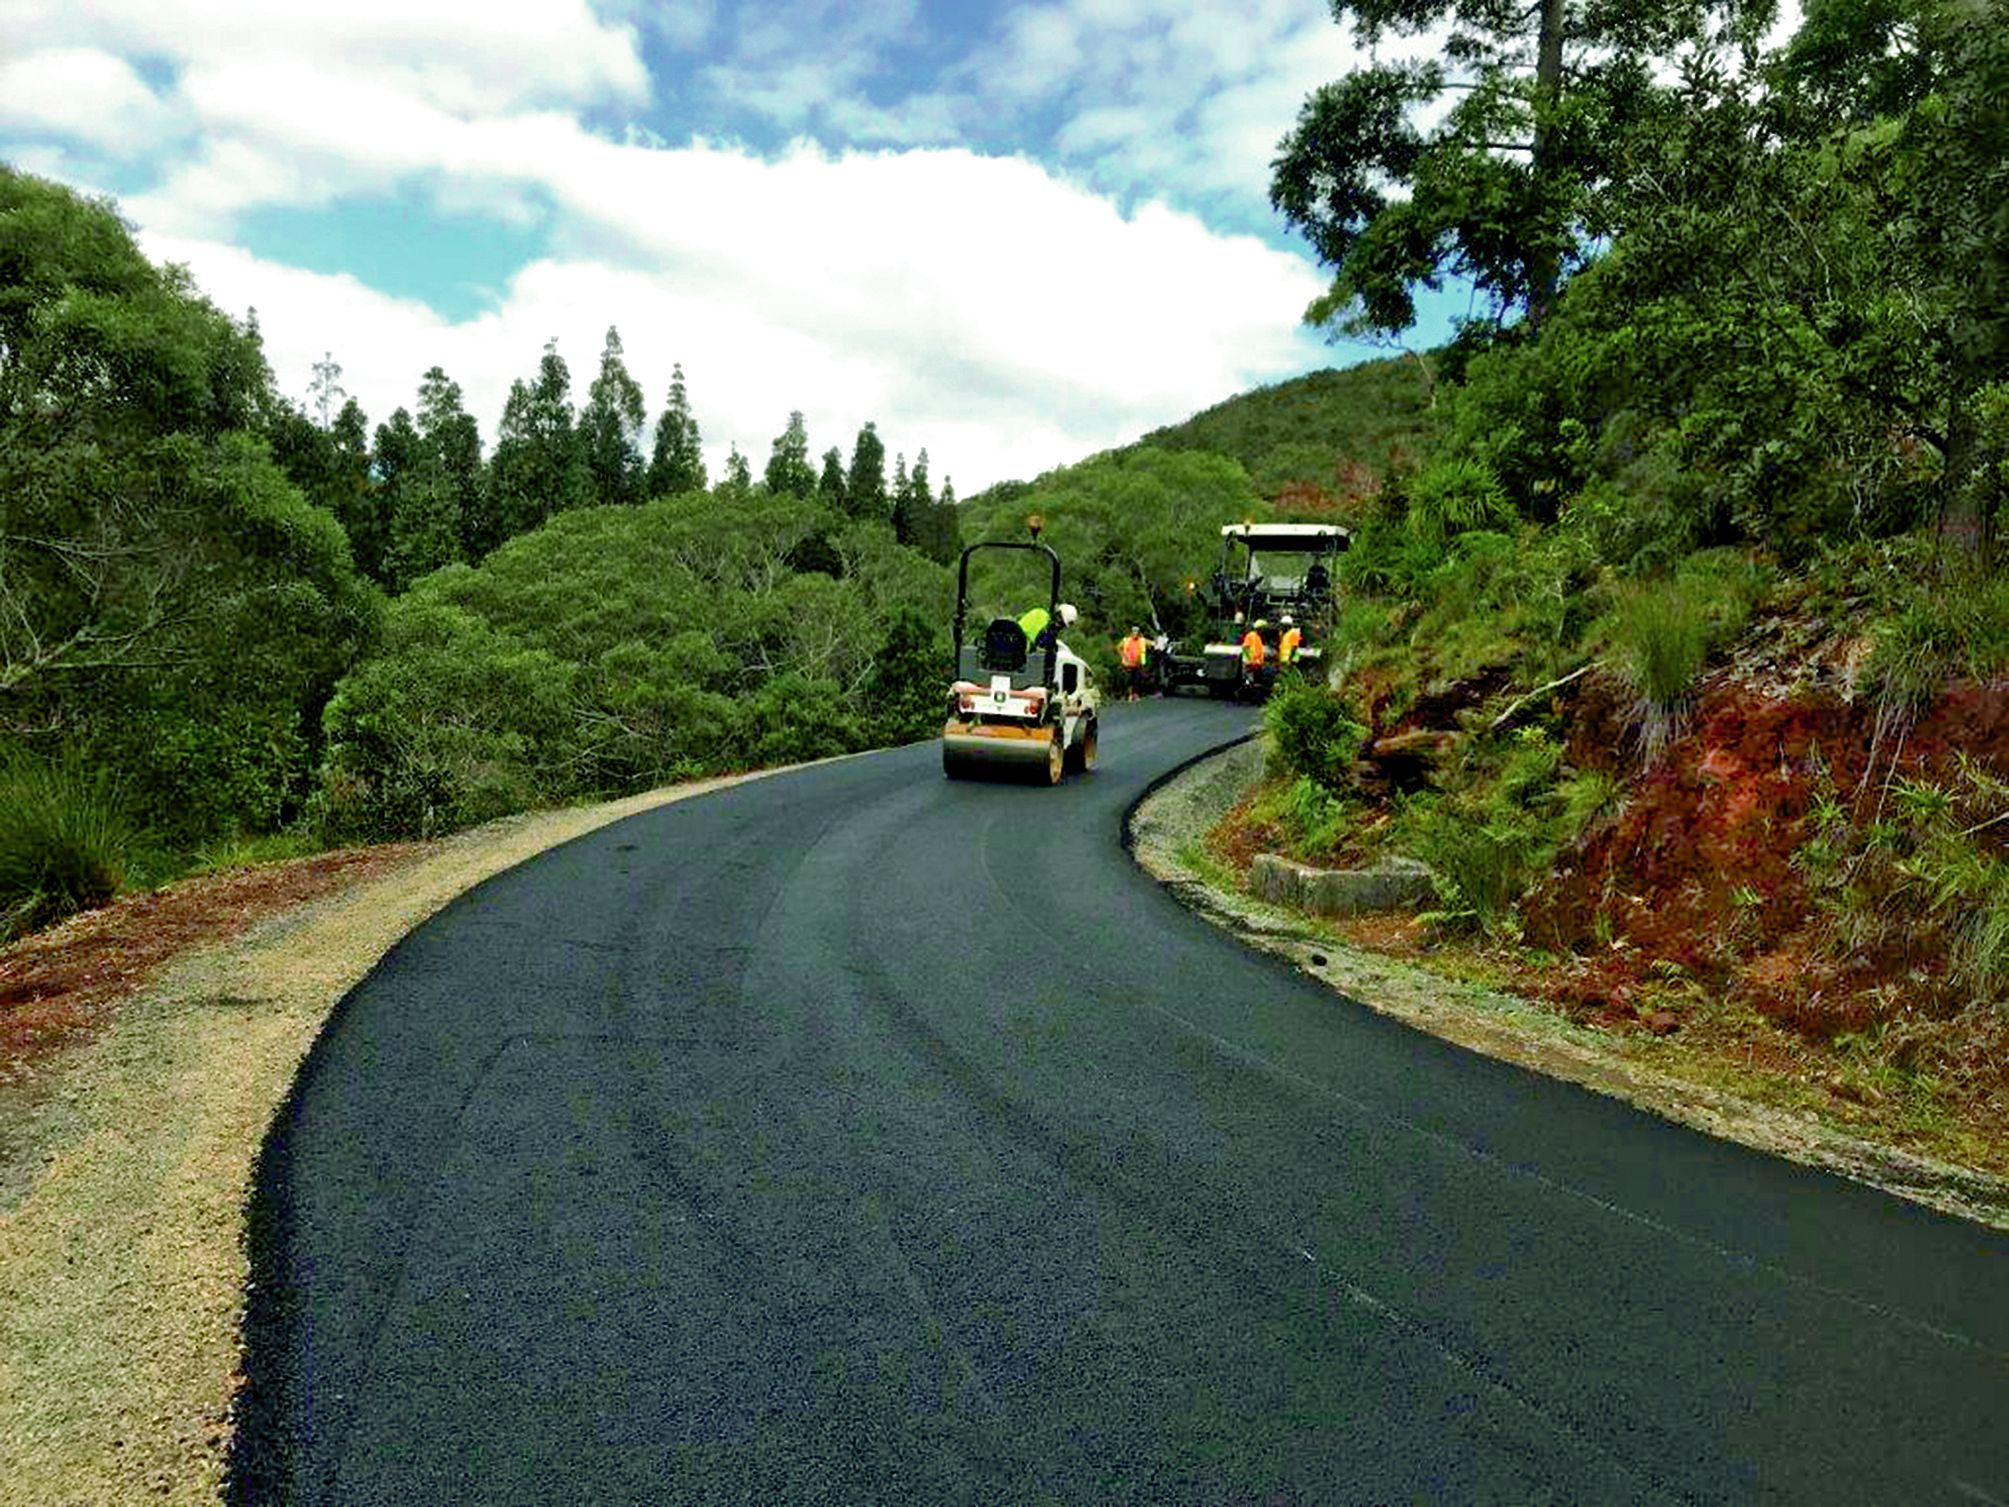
[865, 486]
[788, 470]
[830, 486]
[538, 468]
[677, 464]
[610, 429]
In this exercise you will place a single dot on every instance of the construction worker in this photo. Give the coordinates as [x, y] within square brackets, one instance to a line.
[1287, 646]
[1133, 653]
[1032, 623]
[1253, 652]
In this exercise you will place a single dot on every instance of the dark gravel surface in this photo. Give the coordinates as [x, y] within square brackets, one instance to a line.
[857, 1136]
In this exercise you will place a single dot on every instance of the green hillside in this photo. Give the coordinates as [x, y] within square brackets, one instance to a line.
[1333, 431]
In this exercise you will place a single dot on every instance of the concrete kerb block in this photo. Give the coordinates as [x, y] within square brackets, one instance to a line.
[1396, 884]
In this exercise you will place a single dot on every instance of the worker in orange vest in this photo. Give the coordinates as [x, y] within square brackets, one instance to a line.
[1253, 652]
[1134, 652]
[1287, 646]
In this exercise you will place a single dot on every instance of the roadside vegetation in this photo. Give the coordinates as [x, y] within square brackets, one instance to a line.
[1680, 648]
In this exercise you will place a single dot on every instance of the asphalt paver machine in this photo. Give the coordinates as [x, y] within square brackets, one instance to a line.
[1269, 572]
[1021, 702]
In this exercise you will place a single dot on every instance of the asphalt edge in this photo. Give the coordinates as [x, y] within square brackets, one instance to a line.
[1482, 1020]
[260, 1460]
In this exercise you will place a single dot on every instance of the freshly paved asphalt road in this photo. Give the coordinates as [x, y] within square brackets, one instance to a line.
[856, 1136]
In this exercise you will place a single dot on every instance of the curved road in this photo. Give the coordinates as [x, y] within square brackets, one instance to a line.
[855, 1136]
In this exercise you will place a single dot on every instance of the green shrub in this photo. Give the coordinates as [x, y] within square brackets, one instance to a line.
[1662, 638]
[240, 769]
[1481, 854]
[1919, 871]
[1487, 840]
[1311, 731]
[1947, 629]
[1664, 630]
[1313, 818]
[1961, 869]
[1455, 496]
[64, 840]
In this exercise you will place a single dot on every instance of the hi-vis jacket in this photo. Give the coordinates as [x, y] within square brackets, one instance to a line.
[1252, 649]
[1133, 651]
[1287, 645]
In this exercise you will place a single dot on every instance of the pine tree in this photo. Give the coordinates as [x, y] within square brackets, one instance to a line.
[788, 469]
[437, 521]
[907, 520]
[865, 486]
[830, 486]
[936, 531]
[538, 469]
[1488, 162]
[738, 479]
[410, 490]
[326, 392]
[610, 429]
[677, 465]
[425, 524]
[356, 502]
[947, 525]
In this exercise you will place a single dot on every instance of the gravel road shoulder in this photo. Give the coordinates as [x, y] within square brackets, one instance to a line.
[122, 1248]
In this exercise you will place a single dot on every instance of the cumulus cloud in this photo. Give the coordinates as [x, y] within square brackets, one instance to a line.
[84, 94]
[1051, 325]
[505, 53]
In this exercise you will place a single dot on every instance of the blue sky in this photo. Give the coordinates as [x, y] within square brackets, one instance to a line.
[1011, 233]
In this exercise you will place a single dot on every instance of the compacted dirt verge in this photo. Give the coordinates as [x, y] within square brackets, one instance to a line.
[143, 1051]
[1168, 835]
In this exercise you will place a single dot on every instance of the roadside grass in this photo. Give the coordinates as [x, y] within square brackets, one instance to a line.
[65, 841]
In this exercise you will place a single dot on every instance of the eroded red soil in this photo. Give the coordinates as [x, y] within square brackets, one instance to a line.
[59, 987]
[1694, 879]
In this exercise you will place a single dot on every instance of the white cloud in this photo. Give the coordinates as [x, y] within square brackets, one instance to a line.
[504, 53]
[84, 94]
[1046, 327]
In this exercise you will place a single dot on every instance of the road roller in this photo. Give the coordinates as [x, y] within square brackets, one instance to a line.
[1021, 704]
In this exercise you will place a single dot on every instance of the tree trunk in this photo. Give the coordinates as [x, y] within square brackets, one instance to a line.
[1967, 491]
[1543, 267]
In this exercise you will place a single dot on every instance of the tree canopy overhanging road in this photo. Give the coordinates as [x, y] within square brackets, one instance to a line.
[852, 1135]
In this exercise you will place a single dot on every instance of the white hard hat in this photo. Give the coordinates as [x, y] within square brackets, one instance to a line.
[1287, 620]
[1067, 614]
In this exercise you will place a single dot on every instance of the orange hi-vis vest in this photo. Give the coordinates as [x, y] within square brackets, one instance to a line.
[1287, 646]
[1133, 651]
[1252, 649]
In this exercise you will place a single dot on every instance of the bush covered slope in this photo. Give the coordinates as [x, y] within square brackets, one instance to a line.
[618, 648]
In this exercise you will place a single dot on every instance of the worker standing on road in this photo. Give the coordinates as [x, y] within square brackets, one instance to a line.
[1287, 646]
[1134, 653]
[1253, 650]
